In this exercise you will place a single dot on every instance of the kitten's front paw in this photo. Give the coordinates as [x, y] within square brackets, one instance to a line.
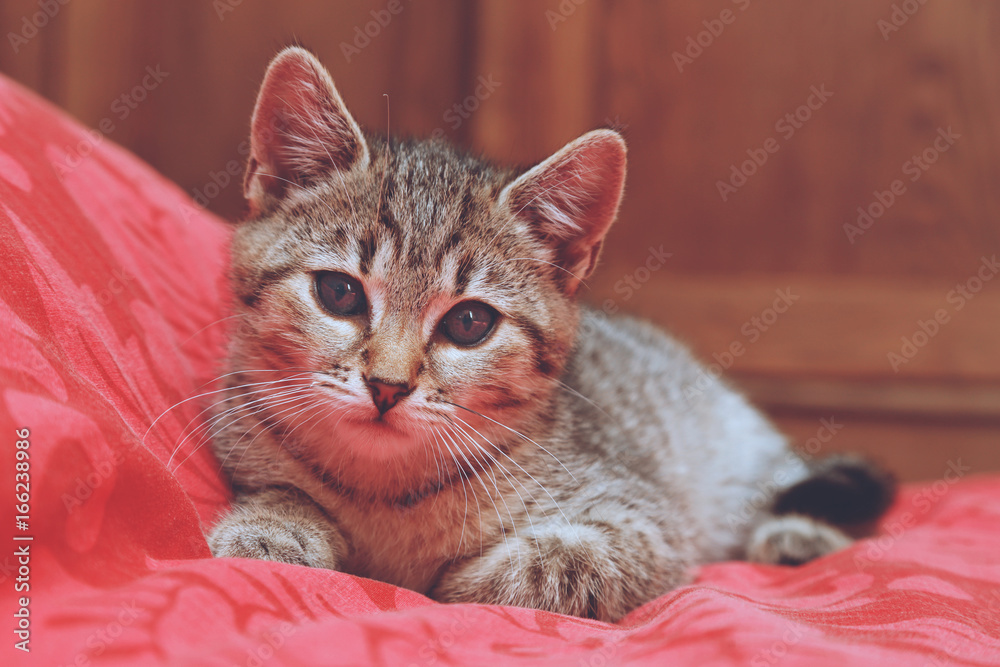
[579, 570]
[266, 535]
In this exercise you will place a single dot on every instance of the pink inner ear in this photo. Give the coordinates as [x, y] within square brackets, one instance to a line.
[572, 198]
[300, 129]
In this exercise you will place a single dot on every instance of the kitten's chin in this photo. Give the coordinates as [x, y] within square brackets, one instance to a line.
[392, 454]
[389, 437]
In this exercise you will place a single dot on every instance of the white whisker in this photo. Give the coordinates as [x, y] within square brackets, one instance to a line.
[309, 406]
[253, 407]
[517, 433]
[185, 433]
[489, 496]
[202, 395]
[291, 396]
[539, 484]
[465, 516]
[510, 477]
[535, 259]
[212, 324]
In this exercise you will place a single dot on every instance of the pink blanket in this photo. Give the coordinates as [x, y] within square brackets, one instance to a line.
[112, 307]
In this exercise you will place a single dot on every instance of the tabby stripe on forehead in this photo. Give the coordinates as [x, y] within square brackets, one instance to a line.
[465, 208]
[387, 192]
[464, 217]
[445, 248]
[336, 238]
[464, 273]
[367, 245]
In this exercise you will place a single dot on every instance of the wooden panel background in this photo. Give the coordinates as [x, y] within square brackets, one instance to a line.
[561, 67]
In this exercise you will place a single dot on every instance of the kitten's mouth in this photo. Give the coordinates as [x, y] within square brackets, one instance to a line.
[379, 423]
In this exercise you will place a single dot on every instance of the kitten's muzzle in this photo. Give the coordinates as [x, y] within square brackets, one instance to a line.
[385, 395]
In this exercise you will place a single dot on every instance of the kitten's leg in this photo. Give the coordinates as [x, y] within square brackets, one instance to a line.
[843, 491]
[282, 525]
[794, 539]
[592, 569]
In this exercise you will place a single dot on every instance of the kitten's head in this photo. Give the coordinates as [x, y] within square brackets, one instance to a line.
[412, 299]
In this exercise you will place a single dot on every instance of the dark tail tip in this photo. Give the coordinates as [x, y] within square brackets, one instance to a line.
[842, 490]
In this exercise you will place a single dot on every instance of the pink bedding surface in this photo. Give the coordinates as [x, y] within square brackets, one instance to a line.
[112, 321]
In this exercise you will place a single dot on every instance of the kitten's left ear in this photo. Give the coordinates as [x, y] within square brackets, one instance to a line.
[572, 198]
[301, 130]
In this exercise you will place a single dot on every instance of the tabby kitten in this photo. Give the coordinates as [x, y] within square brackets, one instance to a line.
[416, 396]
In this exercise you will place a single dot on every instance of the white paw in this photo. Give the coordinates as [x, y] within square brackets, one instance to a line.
[794, 540]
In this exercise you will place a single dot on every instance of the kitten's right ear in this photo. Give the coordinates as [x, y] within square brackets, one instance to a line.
[300, 132]
[571, 199]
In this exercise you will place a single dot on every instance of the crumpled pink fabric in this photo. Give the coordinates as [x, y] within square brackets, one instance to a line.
[112, 319]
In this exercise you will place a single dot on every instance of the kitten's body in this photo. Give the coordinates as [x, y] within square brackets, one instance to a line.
[560, 461]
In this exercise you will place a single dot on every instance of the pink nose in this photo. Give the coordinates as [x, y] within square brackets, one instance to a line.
[386, 394]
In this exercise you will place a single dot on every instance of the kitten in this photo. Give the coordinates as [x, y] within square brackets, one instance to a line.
[415, 395]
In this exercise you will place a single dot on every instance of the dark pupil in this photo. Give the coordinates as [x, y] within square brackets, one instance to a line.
[340, 295]
[340, 290]
[469, 324]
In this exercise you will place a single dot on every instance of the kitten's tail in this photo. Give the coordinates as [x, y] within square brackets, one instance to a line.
[843, 490]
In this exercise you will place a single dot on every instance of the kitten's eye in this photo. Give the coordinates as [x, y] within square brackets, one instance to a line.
[340, 294]
[468, 322]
